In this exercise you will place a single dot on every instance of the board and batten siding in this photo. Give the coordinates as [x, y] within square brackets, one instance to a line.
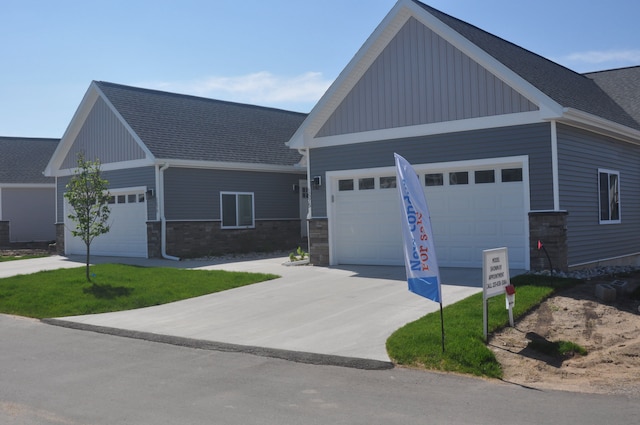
[104, 137]
[118, 179]
[533, 140]
[194, 193]
[580, 155]
[420, 78]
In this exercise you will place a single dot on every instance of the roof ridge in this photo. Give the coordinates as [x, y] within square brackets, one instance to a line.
[49, 139]
[622, 68]
[194, 97]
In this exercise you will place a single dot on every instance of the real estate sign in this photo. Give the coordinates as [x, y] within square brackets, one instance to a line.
[495, 278]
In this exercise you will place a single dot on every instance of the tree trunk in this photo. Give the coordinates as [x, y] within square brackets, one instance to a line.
[87, 268]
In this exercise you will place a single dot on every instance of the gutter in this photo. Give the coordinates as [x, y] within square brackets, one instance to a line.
[163, 220]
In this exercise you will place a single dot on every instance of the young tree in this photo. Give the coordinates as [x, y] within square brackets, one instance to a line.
[89, 198]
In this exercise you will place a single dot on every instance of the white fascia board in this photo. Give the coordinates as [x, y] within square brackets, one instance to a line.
[72, 131]
[470, 124]
[235, 166]
[81, 114]
[27, 185]
[351, 74]
[375, 44]
[577, 118]
[549, 108]
[126, 125]
[111, 166]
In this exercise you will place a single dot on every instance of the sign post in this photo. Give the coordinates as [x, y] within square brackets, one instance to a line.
[495, 279]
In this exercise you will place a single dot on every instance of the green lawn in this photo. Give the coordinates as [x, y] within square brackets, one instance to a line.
[418, 344]
[115, 287]
[21, 257]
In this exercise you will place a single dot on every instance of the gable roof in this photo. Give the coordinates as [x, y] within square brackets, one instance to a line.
[561, 84]
[559, 93]
[22, 160]
[176, 126]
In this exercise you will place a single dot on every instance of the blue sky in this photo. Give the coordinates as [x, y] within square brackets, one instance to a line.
[279, 53]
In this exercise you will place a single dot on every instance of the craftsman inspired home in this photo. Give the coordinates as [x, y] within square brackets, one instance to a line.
[511, 149]
[188, 176]
[27, 198]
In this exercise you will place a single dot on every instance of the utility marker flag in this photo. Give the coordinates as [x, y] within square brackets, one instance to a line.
[420, 260]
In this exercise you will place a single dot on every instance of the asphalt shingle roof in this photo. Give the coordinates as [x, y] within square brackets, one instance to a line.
[563, 85]
[22, 160]
[623, 85]
[176, 126]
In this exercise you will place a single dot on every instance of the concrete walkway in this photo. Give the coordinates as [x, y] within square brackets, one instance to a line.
[345, 311]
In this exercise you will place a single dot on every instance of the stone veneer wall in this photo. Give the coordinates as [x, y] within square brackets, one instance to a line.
[4, 233]
[319, 242]
[60, 238]
[551, 229]
[190, 239]
[154, 248]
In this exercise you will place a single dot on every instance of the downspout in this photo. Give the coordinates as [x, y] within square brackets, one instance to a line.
[305, 155]
[163, 220]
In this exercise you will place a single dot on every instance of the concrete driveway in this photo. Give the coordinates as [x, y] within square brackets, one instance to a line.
[344, 312]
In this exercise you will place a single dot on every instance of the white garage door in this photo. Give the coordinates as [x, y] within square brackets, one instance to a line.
[472, 209]
[128, 234]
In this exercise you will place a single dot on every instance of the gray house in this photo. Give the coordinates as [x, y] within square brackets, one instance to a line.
[27, 198]
[510, 147]
[189, 176]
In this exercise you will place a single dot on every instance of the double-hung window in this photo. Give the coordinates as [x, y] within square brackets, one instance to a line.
[236, 210]
[609, 196]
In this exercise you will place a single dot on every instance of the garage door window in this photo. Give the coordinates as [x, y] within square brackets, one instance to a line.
[609, 193]
[388, 182]
[434, 179]
[345, 185]
[511, 175]
[237, 210]
[485, 176]
[459, 177]
[366, 183]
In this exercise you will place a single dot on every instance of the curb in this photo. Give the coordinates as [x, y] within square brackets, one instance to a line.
[294, 356]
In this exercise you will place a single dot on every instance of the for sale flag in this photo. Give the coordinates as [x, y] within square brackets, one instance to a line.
[420, 260]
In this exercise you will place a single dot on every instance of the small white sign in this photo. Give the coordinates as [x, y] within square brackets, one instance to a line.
[495, 277]
[495, 268]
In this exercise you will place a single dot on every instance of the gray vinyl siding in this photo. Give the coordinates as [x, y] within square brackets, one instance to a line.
[104, 137]
[131, 177]
[194, 194]
[580, 155]
[30, 212]
[532, 140]
[420, 78]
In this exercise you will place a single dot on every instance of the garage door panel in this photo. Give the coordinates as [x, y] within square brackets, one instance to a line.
[466, 219]
[127, 236]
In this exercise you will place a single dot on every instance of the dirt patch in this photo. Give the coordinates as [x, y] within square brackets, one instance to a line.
[610, 332]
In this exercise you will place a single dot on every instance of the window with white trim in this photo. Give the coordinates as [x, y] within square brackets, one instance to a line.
[609, 196]
[236, 210]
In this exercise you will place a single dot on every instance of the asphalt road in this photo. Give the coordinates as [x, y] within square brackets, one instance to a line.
[53, 375]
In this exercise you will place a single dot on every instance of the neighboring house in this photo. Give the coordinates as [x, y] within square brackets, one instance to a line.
[510, 147]
[189, 176]
[27, 197]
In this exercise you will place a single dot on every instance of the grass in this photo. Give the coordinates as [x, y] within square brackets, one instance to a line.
[115, 287]
[558, 349]
[418, 344]
[20, 257]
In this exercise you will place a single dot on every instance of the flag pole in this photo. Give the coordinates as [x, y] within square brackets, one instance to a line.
[442, 325]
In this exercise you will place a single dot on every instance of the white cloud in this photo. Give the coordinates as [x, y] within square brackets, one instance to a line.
[262, 88]
[596, 57]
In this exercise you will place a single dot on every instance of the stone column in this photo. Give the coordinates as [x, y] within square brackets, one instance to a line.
[319, 242]
[551, 229]
[60, 238]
